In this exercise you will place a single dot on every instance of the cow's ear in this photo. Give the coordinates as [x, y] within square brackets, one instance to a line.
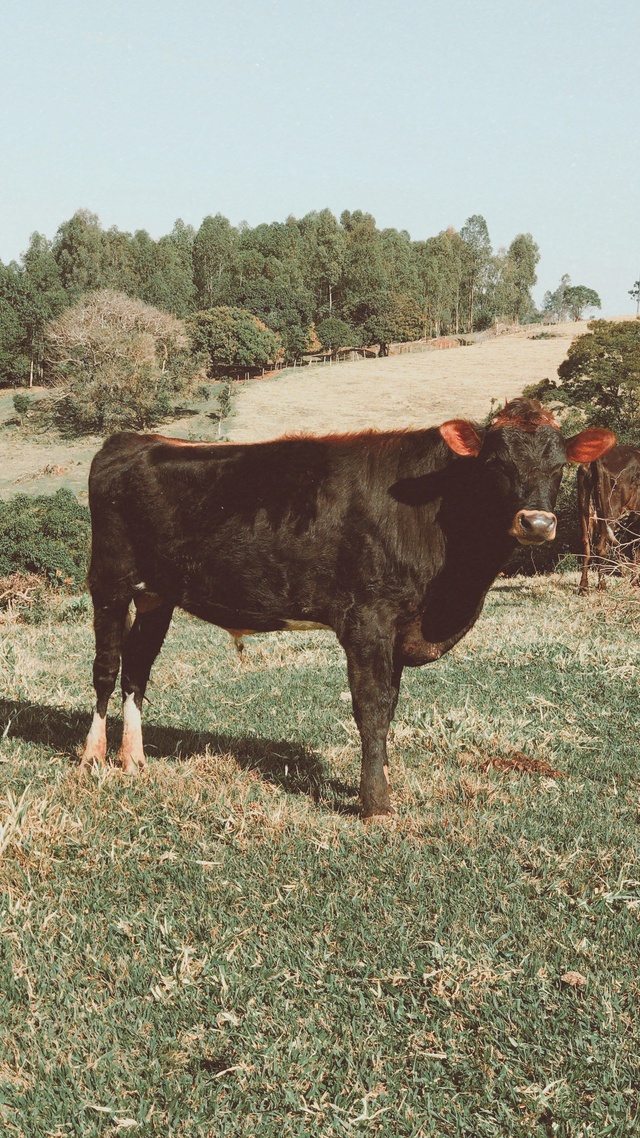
[590, 444]
[461, 437]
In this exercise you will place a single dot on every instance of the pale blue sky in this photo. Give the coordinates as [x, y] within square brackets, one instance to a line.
[420, 113]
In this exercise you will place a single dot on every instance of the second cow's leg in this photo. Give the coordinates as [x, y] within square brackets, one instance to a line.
[142, 644]
[374, 680]
[601, 548]
[586, 522]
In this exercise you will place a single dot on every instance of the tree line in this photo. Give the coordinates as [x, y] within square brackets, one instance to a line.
[316, 282]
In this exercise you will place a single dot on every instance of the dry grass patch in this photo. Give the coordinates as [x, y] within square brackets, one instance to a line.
[221, 947]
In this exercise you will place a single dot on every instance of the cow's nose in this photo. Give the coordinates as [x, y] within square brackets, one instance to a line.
[533, 527]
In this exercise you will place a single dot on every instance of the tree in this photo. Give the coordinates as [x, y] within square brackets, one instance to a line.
[364, 289]
[115, 363]
[601, 375]
[42, 280]
[517, 278]
[634, 293]
[215, 257]
[475, 235]
[118, 262]
[270, 282]
[334, 333]
[554, 303]
[323, 257]
[233, 338]
[579, 297]
[569, 301]
[16, 316]
[181, 242]
[78, 250]
[29, 297]
[440, 270]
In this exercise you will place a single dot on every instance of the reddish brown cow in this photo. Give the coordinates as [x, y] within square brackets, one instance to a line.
[608, 497]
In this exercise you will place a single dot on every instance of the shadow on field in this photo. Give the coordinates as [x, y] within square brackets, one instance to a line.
[286, 764]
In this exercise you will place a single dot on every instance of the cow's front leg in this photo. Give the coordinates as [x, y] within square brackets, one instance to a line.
[374, 679]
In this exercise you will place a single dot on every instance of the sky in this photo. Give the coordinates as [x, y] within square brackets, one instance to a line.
[420, 113]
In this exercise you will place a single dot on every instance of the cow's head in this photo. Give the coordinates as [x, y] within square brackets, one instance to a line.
[522, 454]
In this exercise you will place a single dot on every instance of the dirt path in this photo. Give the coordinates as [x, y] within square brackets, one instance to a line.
[400, 391]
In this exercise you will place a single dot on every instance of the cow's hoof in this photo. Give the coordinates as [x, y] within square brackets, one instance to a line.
[90, 760]
[132, 764]
[389, 816]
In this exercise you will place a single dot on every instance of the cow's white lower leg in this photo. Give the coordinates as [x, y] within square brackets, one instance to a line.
[95, 748]
[131, 753]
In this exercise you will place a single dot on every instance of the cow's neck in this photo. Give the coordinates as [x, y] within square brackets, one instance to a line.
[477, 545]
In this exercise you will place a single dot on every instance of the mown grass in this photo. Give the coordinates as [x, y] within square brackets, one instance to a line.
[221, 948]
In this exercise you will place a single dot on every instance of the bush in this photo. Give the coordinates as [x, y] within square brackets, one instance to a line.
[22, 597]
[115, 364]
[48, 535]
[233, 338]
[601, 378]
[333, 333]
[21, 404]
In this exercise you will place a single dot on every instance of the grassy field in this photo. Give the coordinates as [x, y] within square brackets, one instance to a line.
[221, 948]
[40, 463]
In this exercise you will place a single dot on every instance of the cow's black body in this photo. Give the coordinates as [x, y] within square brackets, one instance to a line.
[301, 530]
[392, 540]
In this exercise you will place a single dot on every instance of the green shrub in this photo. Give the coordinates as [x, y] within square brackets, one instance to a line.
[21, 404]
[600, 378]
[334, 333]
[115, 364]
[233, 338]
[48, 535]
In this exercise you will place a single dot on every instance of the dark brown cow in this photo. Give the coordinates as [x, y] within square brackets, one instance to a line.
[390, 539]
[608, 496]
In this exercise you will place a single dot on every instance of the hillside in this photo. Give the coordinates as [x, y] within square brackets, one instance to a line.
[406, 390]
[400, 391]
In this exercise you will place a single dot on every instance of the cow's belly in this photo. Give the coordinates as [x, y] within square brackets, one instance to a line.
[283, 626]
[243, 623]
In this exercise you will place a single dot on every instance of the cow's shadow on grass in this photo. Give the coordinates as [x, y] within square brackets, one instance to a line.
[289, 765]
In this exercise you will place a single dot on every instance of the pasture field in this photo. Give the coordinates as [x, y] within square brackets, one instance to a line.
[220, 948]
[420, 389]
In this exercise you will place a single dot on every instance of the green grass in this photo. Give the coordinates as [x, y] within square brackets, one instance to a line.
[221, 948]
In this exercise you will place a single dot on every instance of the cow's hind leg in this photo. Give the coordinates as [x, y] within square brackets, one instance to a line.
[586, 522]
[374, 680]
[141, 646]
[602, 548]
[109, 624]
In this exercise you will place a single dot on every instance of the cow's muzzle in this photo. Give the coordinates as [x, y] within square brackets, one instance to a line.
[534, 527]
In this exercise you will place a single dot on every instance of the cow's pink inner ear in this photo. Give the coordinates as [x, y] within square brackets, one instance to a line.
[461, 437]
[590, 444]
